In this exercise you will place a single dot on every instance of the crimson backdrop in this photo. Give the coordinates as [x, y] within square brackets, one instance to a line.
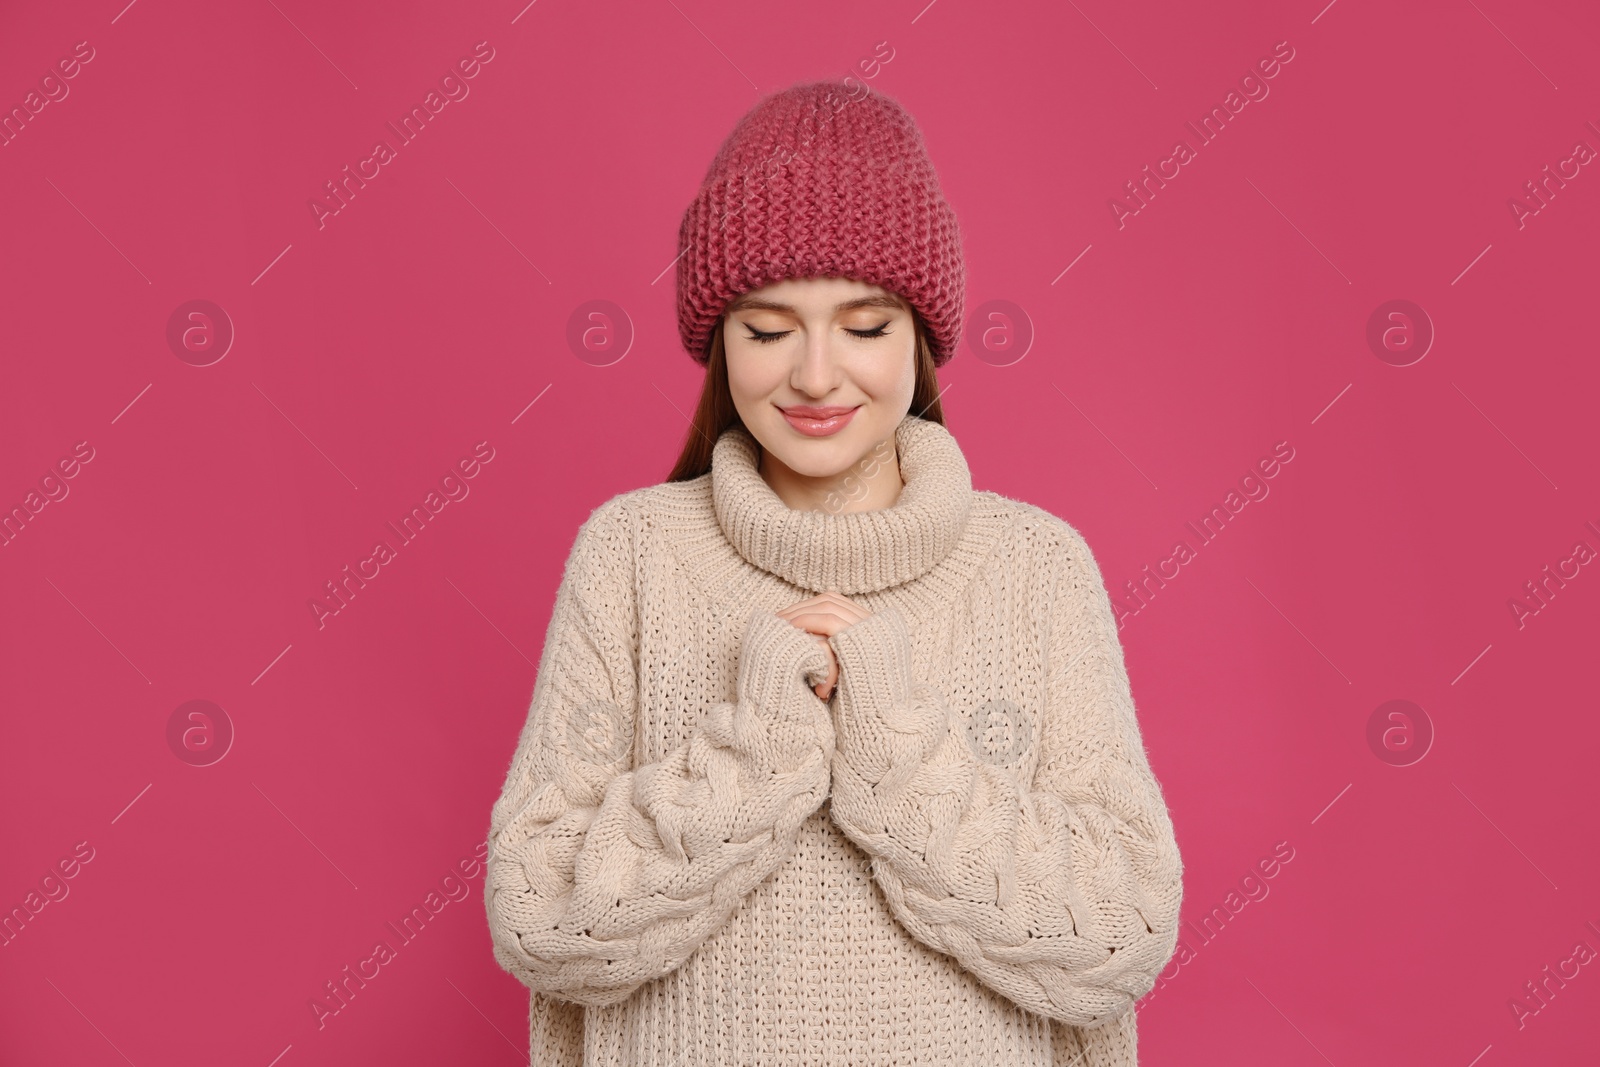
[1126, 367]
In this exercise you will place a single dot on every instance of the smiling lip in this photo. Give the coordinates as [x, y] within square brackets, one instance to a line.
[818, 421]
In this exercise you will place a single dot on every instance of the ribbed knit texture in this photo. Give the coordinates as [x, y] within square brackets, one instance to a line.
[961, 858]
[817, 182]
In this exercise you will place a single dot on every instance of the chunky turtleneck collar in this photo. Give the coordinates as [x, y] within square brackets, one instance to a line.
[852, 552]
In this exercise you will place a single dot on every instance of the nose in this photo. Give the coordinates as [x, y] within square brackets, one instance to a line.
[816, 372]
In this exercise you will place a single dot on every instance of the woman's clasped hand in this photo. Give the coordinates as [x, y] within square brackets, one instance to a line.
[825, 615]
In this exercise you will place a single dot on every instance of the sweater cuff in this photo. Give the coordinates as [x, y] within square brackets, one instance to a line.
[878, 691]
[875, 661]
[778, 664]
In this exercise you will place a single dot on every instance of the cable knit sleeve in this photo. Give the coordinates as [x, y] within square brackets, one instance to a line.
[1062, 893]
[604, 874]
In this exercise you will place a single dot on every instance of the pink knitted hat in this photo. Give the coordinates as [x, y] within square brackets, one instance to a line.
[815, 182]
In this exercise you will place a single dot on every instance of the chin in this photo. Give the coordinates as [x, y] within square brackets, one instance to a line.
[815, 457]
[813, 463]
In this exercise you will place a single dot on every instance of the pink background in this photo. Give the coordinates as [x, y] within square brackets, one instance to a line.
[375, 351]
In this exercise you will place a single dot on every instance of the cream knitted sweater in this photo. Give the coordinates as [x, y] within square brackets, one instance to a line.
[961, 858]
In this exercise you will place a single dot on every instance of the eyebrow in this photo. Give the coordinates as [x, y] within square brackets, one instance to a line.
[755, 303]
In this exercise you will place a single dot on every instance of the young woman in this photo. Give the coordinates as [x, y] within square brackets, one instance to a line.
[831, 759]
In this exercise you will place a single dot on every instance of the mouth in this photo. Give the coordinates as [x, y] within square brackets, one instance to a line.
[818, 421]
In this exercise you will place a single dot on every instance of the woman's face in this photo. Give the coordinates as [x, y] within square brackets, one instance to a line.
[821, 369]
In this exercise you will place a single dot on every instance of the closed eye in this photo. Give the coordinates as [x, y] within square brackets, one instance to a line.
[877, 331]
[768, 338]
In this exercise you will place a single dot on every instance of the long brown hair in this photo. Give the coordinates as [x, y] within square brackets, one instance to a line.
[715, 412]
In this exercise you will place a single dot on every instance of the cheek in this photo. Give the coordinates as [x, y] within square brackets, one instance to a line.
[887, 376]
[749, 376]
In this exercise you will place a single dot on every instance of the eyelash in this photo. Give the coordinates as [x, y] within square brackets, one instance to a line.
[769, 338]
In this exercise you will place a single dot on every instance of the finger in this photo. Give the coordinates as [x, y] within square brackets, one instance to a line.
[796, 608]
[832, 610]
[850, 607]
[821, 626]
[810, 604]
[810, 615]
